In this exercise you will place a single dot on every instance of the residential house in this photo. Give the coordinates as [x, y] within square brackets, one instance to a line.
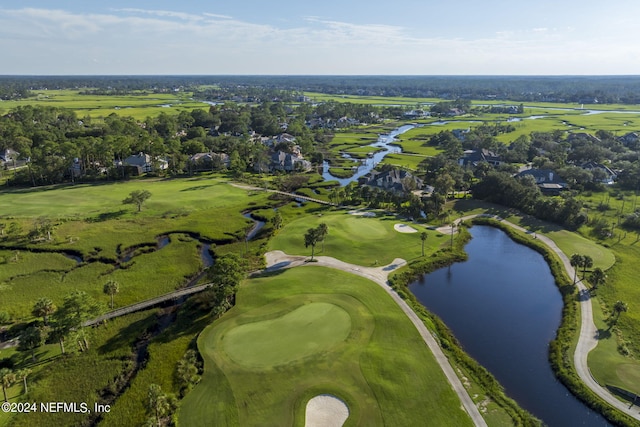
[453, 112]
[461, 133]
[547, 180]
[8, 155]
[630, 138]
[208, 161]
[392, 180]
[416, 114]
[583, 135]
[285, 138]
[608, 176]
[288, 162]
[474, 157]
[144, 162]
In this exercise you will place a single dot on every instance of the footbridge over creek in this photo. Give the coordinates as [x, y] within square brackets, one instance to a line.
[148, 303]
[284, 193]
[298, 196]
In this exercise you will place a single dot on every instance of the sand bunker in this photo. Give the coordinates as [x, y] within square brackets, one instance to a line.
[404, 228]
[361, 213]
[326, 410]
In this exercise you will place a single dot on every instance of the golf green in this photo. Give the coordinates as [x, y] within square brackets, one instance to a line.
[309, 329]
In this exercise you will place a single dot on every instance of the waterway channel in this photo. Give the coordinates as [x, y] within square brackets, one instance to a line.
[503, 306]
[384, 145]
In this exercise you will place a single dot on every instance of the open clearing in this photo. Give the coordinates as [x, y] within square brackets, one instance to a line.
[382, 370]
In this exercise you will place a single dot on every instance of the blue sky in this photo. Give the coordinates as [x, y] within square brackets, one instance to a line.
[321, 37]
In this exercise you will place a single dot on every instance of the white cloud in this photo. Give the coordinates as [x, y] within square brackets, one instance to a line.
[140, 41]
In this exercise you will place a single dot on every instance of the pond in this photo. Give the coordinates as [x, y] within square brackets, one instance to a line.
[503, 306]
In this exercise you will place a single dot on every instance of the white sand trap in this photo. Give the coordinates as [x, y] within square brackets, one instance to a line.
[326, 410]
[361, 213]
[404, 228]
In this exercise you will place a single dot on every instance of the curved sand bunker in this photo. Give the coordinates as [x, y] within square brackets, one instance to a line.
[404, 228]
[326, 410]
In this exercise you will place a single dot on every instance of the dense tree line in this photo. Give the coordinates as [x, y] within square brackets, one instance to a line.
[524, 195]
[580, 89]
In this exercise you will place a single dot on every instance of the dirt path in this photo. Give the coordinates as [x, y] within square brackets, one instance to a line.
[278, 259]
[588, 339]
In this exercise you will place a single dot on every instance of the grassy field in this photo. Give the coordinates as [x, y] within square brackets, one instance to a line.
[385, 374]
[357, 239]
[78, 377]
[139, 106]
[164, 352]
[92, 222]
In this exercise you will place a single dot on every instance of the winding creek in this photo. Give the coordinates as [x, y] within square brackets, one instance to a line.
[126, 255]
[385, 146]
[503, 306]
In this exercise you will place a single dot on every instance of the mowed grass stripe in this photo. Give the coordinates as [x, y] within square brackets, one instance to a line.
[382, 370]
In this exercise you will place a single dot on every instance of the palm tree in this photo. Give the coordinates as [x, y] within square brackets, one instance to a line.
[44, 307]
[587, 262]
[310, 239]
[619, 307]
[22, 374]
[453, 227]
[323, 230]
[7, 377]
[111, 288]
[423, 237]
[597, 277]
[576, 261]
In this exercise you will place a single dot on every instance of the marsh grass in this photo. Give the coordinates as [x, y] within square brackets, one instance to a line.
[82, 377]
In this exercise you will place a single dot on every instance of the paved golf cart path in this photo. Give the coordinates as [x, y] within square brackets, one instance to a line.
[277, 259]
[588, 339]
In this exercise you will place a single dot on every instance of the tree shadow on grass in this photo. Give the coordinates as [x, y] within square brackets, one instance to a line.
[129, 334]
[603, 334]
[107, 216]
[271, 271]
[190, 320]
[197, 187]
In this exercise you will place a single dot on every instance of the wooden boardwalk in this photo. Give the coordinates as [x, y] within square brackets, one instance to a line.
[284, 193]
[298, 196]
[147, 303]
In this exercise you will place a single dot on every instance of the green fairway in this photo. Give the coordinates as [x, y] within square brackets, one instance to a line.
[356, 239]
[353, 342]
[307, 330]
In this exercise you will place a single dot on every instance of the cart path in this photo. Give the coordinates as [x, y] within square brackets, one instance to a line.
[277, 259]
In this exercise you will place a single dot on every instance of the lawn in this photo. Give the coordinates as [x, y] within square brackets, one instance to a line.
[374, 360]
[356, 239]
[607, 365]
